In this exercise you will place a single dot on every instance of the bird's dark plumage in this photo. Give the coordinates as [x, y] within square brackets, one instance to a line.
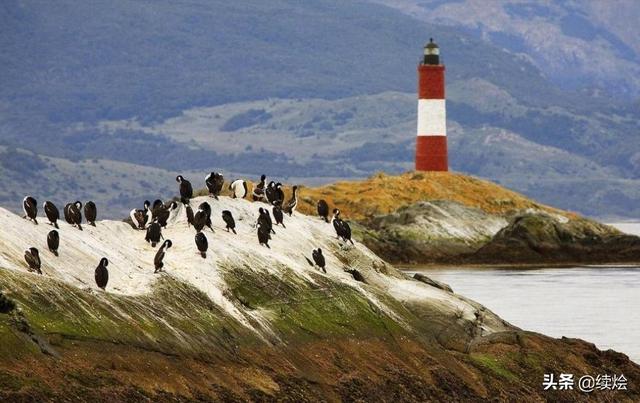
[202, 244]
[263, 236]
[343, 230]
[73, 215]
[158, 259]
[264, 220]
[279, 193]
[53, 241]
[318, 258]
[323, 209]
[32, 257]
[154, 233]
[203, 217]
[278, 216]
[186, 190]
[292, 203]
[162, 213]
[30, 207]
[258, 190]
[190, 216]
[227, 217]
[102, 274]
[214, 182]
[270, 192]
[52, 213]
[157, 203]
[90, 213]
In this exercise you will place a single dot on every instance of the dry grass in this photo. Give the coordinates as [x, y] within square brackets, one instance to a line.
[383, 194]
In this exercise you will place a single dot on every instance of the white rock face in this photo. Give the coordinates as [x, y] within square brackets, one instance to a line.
[131, 269]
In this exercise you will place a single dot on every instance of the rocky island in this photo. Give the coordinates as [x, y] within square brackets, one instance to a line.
[423, 218]
[252, 323]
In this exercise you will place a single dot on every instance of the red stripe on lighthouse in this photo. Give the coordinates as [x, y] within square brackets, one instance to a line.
[431, 144]
[431, 82]
[431, 153]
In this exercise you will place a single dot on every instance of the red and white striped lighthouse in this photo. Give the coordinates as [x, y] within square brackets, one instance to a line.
[431, 144]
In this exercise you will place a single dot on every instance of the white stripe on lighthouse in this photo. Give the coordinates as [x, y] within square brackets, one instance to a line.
[432, 117]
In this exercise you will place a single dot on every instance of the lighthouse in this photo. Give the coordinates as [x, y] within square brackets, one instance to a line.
[431, 142]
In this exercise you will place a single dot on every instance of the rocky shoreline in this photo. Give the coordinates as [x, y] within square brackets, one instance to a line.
[452, 219]
[413, 236]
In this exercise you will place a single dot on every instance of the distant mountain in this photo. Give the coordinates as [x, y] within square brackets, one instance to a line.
[586, 44]
[318, 90]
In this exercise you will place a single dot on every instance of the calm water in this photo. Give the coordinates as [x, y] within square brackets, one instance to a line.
[597, 304]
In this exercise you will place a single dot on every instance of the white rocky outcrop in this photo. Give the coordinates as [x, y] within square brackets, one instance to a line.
[131, 270]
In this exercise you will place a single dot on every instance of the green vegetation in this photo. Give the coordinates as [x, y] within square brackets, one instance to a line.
[302, 310]
[494, 364]
[162, 320]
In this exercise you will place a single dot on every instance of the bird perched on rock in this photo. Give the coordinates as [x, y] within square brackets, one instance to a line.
[278, 215]
[279, 193]
[238, 189]
[227, 217]
[32, 257]
[186, 190]
[323, 209]
[214, 182]
[102, 274]
[270, 192]
[264, 220]
[203, 217]
[202, 244]
[140, 218]
[163, 213]
[291, 205]
[154, 233]
[157, 260]
[263, 235]
[343, 230]
[30, 207]
[258, 190]
[190, 215]
[73, 215]
[52, 213]
[90, 213]
[156, 207]
[53, 241]
[318, 259]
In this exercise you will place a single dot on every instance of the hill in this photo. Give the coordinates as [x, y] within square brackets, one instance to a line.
[382, 194]
[251, 323]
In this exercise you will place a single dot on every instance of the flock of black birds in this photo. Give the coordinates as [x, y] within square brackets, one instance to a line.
[154, 217]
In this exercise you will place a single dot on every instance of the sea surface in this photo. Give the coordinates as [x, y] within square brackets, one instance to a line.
[600, 304]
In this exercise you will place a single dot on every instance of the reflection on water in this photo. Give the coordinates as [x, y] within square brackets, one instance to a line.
[597, 304]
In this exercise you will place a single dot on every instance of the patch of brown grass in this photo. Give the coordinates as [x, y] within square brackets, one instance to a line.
[383, 194]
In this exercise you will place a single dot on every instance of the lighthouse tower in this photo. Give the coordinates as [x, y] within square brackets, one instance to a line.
[431, 144]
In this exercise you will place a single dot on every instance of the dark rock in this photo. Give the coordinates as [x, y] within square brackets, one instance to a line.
[541, 238]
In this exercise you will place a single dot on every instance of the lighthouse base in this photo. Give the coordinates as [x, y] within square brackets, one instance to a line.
[431, 153]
